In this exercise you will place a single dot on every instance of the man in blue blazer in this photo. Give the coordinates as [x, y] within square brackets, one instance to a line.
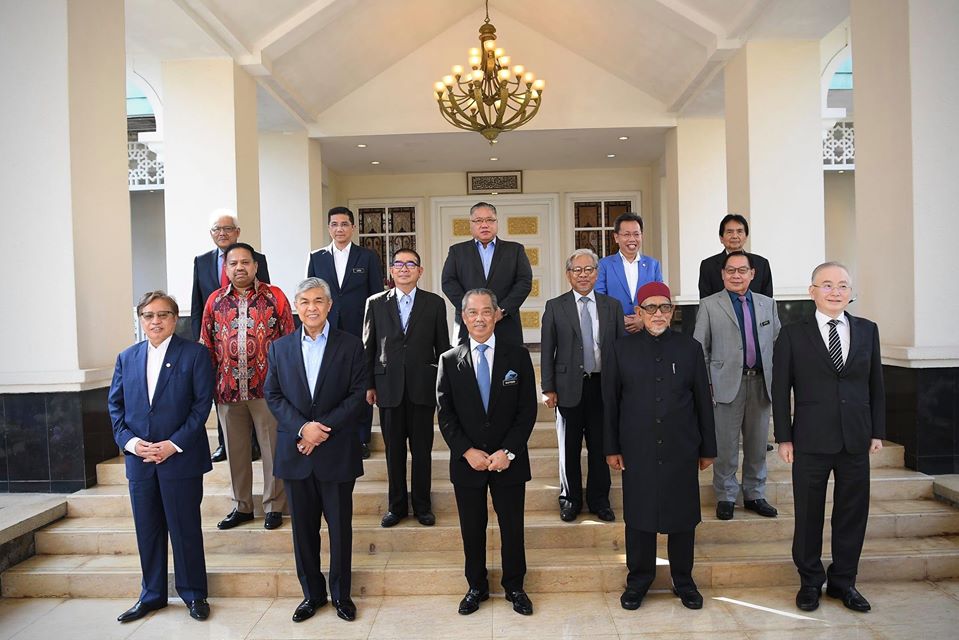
[316, 388]
[622, 274]
[159, 401]
[353, 274]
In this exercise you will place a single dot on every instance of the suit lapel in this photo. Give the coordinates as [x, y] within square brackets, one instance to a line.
[329, 266]
[727, 305]
[497, 258]
[474, 260]
[351, 261]
[620, 272]
[464, 365]
[295, 354]
[169, 362]
[812, 331]
[141, 370]
[856, 340]
[325, 364]
[214, 273]
[416, 311]
[569, 306]
[497, 375]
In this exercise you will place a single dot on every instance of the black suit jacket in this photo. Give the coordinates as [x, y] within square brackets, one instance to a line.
[397, 360]
[336, 401]
[510, 278]
[832, 410]
[363, 278]
[561, 356]
[206, 280]
[711, 278]
[508, 424]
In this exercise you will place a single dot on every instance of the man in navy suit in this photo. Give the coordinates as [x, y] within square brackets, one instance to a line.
[159, 401]
[209, 274]
[316, 387]
[353, 274]
[622, 274]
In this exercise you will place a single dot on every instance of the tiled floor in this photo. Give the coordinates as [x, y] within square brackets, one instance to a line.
[913, 610]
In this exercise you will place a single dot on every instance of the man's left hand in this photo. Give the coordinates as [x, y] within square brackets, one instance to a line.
[498, 461]
[161, 451]
[875, 446]
[705, 463]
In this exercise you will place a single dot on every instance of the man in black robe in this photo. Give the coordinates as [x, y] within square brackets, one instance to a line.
[659, 432]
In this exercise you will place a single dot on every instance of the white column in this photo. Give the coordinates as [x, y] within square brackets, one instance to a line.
[65, 227]
[774, 156]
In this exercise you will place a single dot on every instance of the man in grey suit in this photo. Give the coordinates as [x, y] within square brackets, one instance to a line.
[578, 327]
[737, 328]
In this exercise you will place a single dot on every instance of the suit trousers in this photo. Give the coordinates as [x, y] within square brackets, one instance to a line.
[239, 419]
[365, 431]
[162, 507]
[641, 558]
[311, 499]
[748, 415]
[219, 433]
[413, 422]
[509, 503]
[850, 512]
[585, 420]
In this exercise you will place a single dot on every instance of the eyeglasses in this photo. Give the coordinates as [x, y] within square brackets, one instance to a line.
[731, 271]
[399, 264]
[476, 313]
[227, 229]
[829, 288]
[483, 220]
[651, 309]
[630, 235]
[340, 225]
[582, 271]
[162, 315]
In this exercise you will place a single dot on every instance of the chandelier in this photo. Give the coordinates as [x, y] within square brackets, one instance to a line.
[492, 97]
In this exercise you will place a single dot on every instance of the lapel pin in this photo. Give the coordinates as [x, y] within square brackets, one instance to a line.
[167, 364]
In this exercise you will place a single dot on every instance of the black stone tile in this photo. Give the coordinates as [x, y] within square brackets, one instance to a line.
[67, 486]
[98, 443]
[792, 311]
[26, 438]
[65, 436]
[3, 446]
[937, 465]
[4, 487]
[29, 486]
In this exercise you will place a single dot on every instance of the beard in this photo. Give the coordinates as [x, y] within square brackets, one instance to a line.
[656, 331]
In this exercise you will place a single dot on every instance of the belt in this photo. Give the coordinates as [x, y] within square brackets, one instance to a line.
[587, 376]
[752, 372]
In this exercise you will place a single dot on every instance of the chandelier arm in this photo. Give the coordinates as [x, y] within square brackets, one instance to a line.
[456, 108]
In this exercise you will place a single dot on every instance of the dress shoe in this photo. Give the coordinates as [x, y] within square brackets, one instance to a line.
[724, 510]
[470, 602]
[273, 520]
[808, 598]
[255, 451]
[761, 507]
[307, 608]
[606, 514]
[199, 609]
[769, 447]
[690, 597]
[139, 610]
[390, 519]
[427, 518]
[365, 450]
[631, 599]
[521, 602]
[345, 609]
[851, 599]
[235, 518]
[568, 513]
[219, 454]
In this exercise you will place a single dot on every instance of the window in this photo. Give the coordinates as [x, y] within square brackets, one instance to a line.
[593, 224]
[384, 229]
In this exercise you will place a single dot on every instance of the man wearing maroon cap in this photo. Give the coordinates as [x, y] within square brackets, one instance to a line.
[659, 432]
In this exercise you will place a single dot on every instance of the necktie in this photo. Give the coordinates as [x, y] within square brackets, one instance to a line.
[405, 311]
[748, 332]
[835, 346]
[589, 346]
[223, 279]
[482, 374]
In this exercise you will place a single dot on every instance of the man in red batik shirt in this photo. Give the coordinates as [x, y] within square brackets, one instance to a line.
[239, 323]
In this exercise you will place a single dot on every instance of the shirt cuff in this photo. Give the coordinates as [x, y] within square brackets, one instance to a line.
[131, 445]
[178, 449]
[299, 434]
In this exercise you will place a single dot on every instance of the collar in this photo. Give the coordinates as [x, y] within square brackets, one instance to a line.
[333, 250]
[399, 293]
[254, 288]
[639, 257]
[479, 245]
[823, 320]
[491, 343]
[162, 347]
[578, 296]
[735, 296]
[325, 333]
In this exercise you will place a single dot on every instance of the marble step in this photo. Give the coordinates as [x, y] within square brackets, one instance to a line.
[369, 497]
[717, 565]
[544, 529]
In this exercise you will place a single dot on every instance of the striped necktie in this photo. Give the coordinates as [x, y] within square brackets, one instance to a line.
[835, 346]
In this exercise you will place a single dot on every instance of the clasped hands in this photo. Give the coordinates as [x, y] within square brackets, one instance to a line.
[482, 461]
[155, 452]
[312, 435]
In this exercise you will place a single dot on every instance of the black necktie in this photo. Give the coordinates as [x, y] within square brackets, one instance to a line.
[835, 346]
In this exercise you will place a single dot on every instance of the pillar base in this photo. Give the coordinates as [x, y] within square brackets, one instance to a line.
[922, 414]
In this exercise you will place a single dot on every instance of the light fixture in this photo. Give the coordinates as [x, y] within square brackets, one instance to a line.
[361, 146]
[610, 155]
[375, 162]
[492, 96]
[624, 137]
[494, 159]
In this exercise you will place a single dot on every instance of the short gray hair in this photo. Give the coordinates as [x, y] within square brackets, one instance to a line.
[826, 265]
[312, 283]
[153, 296]
[582, 252]
[479, 292]
[224, 213]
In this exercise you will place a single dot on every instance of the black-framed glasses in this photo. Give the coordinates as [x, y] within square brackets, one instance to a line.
[651, 309]
[399, 264]
[731, 271]
[162, 315]
[576, 271]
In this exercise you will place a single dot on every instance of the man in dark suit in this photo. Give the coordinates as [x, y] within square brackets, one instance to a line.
[733, 231]
[492, 263]
[578, 327]
[209, 274]
[486, 396]
[353, 274]
[404, 334]
[830, 363]
[159, 401]
[660, 434]
[316, 387]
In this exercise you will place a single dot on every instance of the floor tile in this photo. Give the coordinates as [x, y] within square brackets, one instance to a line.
[431, 617]
[17, 613]
[277, 622]
[555, 615]
[774, 608]
[83, 619]
[895, 603]
[662, 612]
[229, 618]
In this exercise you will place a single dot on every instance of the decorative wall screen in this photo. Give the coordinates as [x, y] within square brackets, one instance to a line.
[593, 224]
[384, 229]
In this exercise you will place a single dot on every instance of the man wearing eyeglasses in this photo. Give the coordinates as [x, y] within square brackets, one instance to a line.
[354, 274]
[578, 327]
[209, 274]
[659, 432]
[733, 232]
[489, 262]
[737, 328]
[830, 363]
[621, 275]
[404, 334]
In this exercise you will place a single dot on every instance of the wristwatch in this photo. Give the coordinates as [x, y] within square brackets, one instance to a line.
[509, 455]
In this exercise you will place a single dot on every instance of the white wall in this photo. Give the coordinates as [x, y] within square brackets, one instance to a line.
[149, 243]
[840, 207]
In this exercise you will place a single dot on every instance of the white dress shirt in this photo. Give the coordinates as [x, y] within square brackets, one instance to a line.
[339, 260]
[594, 316]
[842, 329]
[632, 274]
[491, 343]
[155, 357]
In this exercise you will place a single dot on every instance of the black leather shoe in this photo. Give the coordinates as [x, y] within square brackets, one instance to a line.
[761, 507]
[199, 609]
[219, 454]
[390, 519]
[851, 599]
[273, 520]
[365, 450]
[606, 514]
[235, 518]
[568, 513]
[808, 598]
[470, 602]
[139, 610]
[690, 597]
[724, 510]
[631, 599]
[255, 452]
[427, 518]
[769, 447]
[307, 608]
[345, 609]
[521, 602]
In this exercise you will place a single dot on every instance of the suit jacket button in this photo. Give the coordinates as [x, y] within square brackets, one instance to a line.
[659, 359]
[658, 379]
[659, 421]
[659, 442]
[659, 399]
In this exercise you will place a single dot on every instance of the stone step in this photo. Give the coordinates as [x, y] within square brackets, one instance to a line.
[441, 572]
[544, 529]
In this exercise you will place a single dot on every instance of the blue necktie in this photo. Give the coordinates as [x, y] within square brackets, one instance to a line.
[405, 309]
[482, 374]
